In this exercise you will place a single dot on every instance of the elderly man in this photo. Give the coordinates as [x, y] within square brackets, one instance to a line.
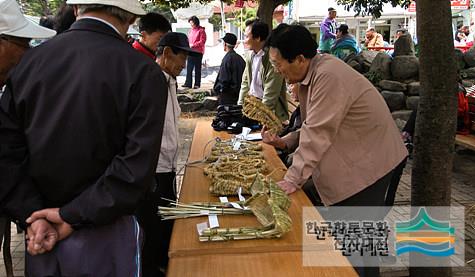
[172, 52]
[228, 81]
[92, 120]
[15, 34]
[348, 143]
[373, 38]
[260, 79]
[338, 105]
[328, 32]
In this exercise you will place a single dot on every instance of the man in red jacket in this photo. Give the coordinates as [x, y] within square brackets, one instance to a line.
[152, 27]
[197, 38]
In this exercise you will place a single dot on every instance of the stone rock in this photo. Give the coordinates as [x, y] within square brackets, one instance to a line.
[404, 46]
[210, 103]
[382, 64]
[205, 91]
[413, 89]
[400, 124]
[190, 107]
[408, 81]
[392, 85]
[368, 55]
[355, 65]
[405, 67]
[395, 100]
[468, 73]
[412, 102]
[460, 59]
[401, 115]
[467, 83]
[362, 62]
[184, 98]
[469, 57]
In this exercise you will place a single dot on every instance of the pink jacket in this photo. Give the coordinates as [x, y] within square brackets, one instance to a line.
[197, 38]
[348, 138]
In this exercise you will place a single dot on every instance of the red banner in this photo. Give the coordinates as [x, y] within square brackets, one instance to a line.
[239, 4]
[456, 5]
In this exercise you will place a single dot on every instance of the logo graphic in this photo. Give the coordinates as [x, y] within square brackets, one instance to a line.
[425, 235]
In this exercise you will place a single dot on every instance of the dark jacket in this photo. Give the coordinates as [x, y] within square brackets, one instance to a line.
[228, 82]
[80, 127]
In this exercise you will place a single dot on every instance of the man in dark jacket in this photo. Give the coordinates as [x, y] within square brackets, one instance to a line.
[228, 82]
[88, 126]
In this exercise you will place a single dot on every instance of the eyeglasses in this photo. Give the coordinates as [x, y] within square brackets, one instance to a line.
[24, 43]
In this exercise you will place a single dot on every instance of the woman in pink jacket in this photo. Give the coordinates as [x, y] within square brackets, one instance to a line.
[197, 38]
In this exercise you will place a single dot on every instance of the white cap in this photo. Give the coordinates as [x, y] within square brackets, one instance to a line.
[132, 6]
[14, 23]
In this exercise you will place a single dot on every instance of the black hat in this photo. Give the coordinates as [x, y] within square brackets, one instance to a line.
[331, 9]
[343, 28]
[179, 41]
[230, 39]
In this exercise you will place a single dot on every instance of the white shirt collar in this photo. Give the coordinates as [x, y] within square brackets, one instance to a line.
[259, 54]
[103, 21]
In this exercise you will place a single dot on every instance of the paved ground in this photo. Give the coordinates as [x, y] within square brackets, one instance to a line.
[463, 193]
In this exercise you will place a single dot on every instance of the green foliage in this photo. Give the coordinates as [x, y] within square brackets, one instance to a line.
[161, 9]
[176, 4]
[247, 13]
[215, 19]
[374, 77]
[40, 7]
[199, 96]
[371, 7]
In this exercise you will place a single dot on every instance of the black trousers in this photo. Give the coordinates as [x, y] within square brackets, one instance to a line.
[391, 195]
[157, 233]
[374, 195]
[193, 63]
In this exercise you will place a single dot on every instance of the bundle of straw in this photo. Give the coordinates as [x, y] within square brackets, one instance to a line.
[254, 108]
[181, 210]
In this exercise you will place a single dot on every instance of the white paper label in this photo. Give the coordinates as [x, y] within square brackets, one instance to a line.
[236, 205]
[236, 145]
[223, 199]
[213, 221]
[205, 212]
[241, 198]
[245, 132]
[201, 226]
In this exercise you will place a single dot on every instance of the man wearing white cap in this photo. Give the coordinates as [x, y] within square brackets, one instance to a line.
[15, 34]
[91, 111]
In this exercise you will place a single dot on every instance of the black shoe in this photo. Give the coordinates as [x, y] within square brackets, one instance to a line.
[196, 87]
[185, 86]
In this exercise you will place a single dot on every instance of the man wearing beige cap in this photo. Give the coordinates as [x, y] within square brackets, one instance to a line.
[91, 111]
[15, 34]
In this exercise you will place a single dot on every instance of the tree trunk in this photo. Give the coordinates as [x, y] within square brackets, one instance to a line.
[265, 11]
[435, 125]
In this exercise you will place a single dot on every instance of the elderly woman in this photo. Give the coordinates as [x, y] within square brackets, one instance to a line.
[345, 43]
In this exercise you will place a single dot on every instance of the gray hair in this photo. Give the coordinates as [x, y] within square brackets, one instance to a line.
[161, 49]
[229, 45]
[118, 13]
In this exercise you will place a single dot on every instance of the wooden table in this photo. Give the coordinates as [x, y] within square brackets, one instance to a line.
[185, 247]
[270, 264]
[467, 141]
